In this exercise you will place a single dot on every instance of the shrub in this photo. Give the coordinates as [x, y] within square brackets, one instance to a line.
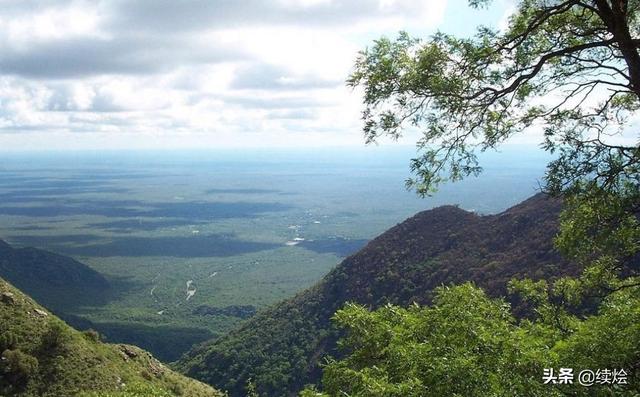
[8, 341]
[55, 339]
[146, 374]
[17, 367]
[92, 335]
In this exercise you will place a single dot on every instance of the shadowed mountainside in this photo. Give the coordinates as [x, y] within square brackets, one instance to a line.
[59, 282]
[280, 348]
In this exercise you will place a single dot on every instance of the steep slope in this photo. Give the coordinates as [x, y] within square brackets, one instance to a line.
[279, 348]
[42, 356]
[59, 282]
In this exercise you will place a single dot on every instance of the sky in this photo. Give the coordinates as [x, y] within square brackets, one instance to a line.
[167, 74]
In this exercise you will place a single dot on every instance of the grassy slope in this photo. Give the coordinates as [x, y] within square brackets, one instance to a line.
[279, 349]
[71, 363]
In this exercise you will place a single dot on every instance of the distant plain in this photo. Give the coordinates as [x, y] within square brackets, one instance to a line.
[193, 242]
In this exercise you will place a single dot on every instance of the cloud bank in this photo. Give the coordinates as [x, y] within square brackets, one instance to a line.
[161, 73]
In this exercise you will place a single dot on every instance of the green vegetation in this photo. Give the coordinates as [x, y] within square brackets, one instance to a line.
[476, 93]
[58, 280]
[467, 344]
[18, 368]
[280, 349]
[135, 390]
[42, 356]
[571, 68]
[150, 233]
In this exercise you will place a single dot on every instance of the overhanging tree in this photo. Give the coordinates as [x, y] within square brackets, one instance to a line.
[570, 68]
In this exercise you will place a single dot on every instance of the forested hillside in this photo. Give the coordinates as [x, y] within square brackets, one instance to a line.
[279, 349]
[42, 356]
[58, 281]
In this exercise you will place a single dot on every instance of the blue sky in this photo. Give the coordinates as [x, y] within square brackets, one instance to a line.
[165, 74]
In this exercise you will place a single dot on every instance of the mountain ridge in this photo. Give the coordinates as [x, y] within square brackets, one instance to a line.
[278, 348]
[56, 280]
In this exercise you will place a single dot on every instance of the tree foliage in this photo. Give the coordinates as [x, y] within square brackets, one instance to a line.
[56, 339]
[568, 67]
[467, 344]
[571, 68]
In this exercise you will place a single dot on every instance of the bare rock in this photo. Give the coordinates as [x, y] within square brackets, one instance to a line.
[129, 351]
[156, 368]
[40, 313]
[8, 298]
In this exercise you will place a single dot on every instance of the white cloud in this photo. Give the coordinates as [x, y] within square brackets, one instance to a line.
[164, 73]
[50, 24]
